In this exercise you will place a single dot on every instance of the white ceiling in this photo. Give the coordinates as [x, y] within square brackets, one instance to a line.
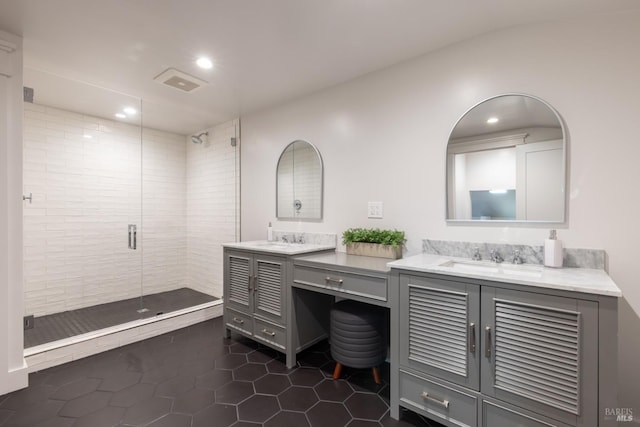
[514, 112]
[265, 52]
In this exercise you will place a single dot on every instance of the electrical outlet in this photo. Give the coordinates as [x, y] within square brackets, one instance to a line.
[374, 210]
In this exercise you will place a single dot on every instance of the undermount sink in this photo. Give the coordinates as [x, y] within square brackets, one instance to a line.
[274, 245]
[524, 270]
[470, 266]
[484, 267]
[287, 246]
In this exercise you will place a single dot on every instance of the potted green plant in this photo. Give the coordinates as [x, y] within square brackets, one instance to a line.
[374, 242]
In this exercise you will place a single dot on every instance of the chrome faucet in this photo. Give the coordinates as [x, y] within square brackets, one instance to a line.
[285, 239]
[517, 259]
[476, 254]
[495, 257]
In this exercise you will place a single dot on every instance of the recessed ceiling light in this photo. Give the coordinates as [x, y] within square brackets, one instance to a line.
[204, 63]
[130, 110]
[492, 120]
[86, 135]
[121, 116]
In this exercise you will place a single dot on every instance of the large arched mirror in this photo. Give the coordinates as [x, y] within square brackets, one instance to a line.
[299, 182]
[506, 161]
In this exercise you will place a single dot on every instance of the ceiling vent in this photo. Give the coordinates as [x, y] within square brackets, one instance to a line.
[179, 80]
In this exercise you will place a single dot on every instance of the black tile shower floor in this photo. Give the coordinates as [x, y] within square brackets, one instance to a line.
[57, 326]
[193, 377]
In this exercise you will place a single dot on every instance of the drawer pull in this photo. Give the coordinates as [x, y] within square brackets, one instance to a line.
[331, 279]
[443, 403]
[238, 320]
[472, 337]
[270, 333]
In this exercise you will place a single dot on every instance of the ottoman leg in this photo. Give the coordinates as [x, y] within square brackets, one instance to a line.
[376, 375]
[337, 371]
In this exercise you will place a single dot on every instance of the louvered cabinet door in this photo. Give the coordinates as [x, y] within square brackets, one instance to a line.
[269, 286]
[439, 328]
[237, 281]
[537, 355]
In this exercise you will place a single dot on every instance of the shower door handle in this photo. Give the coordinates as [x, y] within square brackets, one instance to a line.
[133, 236]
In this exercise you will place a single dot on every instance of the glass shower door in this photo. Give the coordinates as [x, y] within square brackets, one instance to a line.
[189, 208]
[82, 165]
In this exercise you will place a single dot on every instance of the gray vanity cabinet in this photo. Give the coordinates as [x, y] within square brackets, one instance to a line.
[438, 328]
[254, 296]
[540, 352]
[474, 354]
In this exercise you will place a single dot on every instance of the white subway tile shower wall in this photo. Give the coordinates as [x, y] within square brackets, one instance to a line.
[213, 176]
[164, 225]
[86, 191]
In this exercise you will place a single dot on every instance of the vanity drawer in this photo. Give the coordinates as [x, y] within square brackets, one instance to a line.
[500, 415]
[367, 286]
[238, 321]
[436, 400]
[270, 333]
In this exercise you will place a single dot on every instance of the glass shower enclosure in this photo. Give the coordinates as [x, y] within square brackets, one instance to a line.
[124, 222]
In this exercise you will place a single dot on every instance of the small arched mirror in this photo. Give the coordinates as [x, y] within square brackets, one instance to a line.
[506, 161]
[299, 182]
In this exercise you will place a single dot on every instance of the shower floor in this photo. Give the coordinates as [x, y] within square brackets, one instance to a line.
[67, 324]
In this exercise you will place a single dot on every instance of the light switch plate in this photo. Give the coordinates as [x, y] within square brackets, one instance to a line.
[375, 210]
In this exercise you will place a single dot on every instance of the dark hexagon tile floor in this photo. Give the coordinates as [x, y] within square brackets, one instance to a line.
[193, 377]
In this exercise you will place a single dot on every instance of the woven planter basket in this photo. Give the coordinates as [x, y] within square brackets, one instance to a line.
[374, 250]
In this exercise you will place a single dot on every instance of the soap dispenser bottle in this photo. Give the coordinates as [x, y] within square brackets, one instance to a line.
[553, 251]
[269, 233]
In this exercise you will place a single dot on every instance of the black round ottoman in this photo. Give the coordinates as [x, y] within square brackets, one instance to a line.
[357, 337]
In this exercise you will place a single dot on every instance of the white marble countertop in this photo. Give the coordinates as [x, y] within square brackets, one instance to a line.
[279, 247]
[585, 280]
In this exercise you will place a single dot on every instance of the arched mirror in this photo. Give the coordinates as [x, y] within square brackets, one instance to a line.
[506, 161]
[299, 182]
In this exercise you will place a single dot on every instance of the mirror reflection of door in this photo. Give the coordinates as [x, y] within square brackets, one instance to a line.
[539, 180]
[506, 162]
[299, 182]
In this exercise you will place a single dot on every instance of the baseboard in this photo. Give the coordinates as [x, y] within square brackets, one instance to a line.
[15, 379]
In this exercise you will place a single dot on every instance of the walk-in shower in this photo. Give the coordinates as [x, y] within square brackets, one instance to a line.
[125, 222]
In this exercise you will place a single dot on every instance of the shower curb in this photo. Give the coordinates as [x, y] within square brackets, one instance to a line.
[69, 349]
